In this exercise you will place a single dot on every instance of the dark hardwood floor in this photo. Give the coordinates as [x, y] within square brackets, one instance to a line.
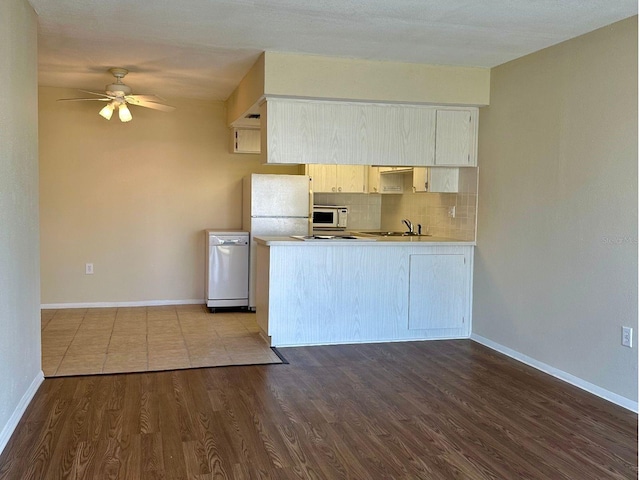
[418, 410]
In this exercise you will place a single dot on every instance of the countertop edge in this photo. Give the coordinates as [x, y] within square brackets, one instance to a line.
[284, 241]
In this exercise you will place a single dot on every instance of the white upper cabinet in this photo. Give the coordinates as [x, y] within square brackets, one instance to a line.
[399, 135]
[338, 178]
[456, 137]
[296, 131]
[347, 133]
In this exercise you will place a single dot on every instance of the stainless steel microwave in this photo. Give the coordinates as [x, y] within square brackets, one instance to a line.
[330, 216]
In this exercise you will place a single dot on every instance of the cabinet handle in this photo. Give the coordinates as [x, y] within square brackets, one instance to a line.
[339, 189]
[333, 189]
[426, 186]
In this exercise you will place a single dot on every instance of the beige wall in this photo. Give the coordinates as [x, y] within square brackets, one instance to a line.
[348, 78]
[20, 372]
[247, 93]
[556, 264]
[134, 199]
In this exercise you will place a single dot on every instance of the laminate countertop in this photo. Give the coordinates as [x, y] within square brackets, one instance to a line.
[363, 240]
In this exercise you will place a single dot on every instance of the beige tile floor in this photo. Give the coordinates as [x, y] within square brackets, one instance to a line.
[116, 340]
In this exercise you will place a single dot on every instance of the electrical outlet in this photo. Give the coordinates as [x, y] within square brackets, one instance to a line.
[88, 269]
[627, 337]
[452, 212]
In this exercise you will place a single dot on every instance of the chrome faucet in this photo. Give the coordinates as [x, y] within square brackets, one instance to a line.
[409, 225]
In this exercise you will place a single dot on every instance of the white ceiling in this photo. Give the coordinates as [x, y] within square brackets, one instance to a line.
[203, 48]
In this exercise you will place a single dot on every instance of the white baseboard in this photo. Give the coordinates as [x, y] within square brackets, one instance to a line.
[11, 425]
[554, 372]
[143, 303]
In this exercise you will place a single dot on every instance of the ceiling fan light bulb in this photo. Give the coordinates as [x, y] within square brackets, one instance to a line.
[106, 111]
[124, 113]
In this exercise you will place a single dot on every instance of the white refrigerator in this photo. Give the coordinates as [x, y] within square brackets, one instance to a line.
[274, 205]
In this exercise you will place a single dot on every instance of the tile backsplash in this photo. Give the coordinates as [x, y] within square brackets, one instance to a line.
[364, 209]
[431, 210]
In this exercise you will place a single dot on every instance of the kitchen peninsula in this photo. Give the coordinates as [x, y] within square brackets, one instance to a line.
[358, 290]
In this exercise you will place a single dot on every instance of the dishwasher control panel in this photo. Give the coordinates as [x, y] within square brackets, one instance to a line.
[228, 239]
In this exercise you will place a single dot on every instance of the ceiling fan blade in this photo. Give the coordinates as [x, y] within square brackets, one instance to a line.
[96, 93]
[144, 98]
[147, 104]
[84, 99]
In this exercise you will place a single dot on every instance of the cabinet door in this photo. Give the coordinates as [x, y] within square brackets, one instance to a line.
[323, 177]
[443, 180]
[293, 131]
[350, 178]
[438, 291]
[246, 140]
[455, 137]
[329, 132]
[421, 179]
[373, 184]
[438, 179]
[310, 132]
[401, 135]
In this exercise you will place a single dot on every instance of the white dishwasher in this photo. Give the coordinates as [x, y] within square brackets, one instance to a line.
[227, 282]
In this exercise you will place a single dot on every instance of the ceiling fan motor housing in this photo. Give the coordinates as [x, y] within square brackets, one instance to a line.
[118, 89]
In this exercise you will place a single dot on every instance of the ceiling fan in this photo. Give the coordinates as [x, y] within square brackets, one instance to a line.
[119, 95]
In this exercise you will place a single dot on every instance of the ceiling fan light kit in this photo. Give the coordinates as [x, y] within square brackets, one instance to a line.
[107, 111]
[124, 113]
[119, 95]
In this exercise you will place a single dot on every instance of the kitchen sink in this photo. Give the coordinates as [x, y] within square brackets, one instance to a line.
[384, 233]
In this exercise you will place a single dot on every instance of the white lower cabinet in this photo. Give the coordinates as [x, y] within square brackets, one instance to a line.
[315, 294]
[438, 291]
